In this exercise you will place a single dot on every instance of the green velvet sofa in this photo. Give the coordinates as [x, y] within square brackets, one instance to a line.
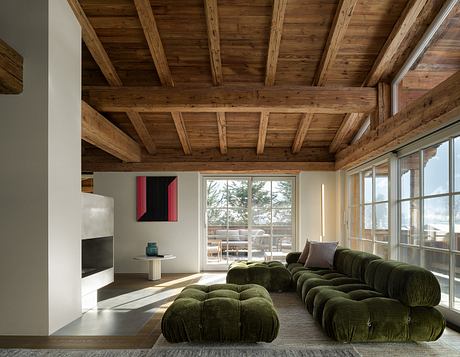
[366, 298]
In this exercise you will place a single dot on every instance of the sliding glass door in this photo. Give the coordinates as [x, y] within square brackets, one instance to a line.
[247, 218]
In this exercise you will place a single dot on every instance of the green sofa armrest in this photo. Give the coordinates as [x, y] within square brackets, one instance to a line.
[293, 257]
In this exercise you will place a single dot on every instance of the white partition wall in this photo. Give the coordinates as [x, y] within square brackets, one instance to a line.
[40, 179]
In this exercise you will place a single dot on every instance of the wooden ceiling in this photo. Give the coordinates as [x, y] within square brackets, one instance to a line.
[234, 85]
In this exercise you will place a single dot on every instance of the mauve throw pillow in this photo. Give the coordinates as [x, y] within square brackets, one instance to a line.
[304, 255]
[321, 255]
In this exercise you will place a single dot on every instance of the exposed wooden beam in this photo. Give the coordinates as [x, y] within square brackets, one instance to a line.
[383, 111]
[293, 99]
[95, 46]
[182, 132]
[339, 27]
[276, 30]
[350, 125]
[212, 22]
[101, 133]
[10, 70]
[142, 131]
[263, 126]
[222, 128]
[301, 133]
[434, 110]
[393, 42]
[144, 10]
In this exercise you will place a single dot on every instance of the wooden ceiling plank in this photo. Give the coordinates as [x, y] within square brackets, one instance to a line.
[339, 27]
[276, 30]
[100, 132]
[95, 46]
[222, 127]
[393, 43]
[149, 26]
[263, 126]
[182, 132]
[212, 22]
[436, 109]
[294, 99]
[142, 131]
[11, 70]
[301, 133]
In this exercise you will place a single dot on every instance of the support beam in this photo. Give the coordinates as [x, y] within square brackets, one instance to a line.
[142, 131]
[222, 127]
[279, 9]
[144, 10]
[394, 41]
[304, 125]
[263, 126]
[383, 111]
[10, 70]
[95, 46]
[434, 110]
[350, 125]
[98, 131]
[293, 99]
[182, 132]
[212, 22]
[339, 27]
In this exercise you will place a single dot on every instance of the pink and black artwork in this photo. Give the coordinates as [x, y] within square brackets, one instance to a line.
[156, 198]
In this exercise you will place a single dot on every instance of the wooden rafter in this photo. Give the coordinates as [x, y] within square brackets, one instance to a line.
[11, 70]
[101, 57]
[182, 132]
[301, 133]
[293, 99]
[393, 42]
[263, 126]
[212, 21]
[350, 124]
[100, 132]
[336, 34]
[222, 128]
[437, 108]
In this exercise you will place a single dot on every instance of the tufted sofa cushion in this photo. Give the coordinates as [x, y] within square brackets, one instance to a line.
[221, 313]
[271, 275]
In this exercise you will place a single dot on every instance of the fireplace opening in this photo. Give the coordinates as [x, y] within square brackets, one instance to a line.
[96, 255]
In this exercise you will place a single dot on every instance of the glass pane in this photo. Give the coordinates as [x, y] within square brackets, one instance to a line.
[238, 218]
[382, 250]
[355, 244]
[436, 169]
[354, 190]
[354, 221]
[409, 255]
[457, 283]
[261, 193]
[238, 193]
[368, 246]
[282, 194]
[381, 182]
[216, 193]
[382, 231]
[282, 217]
[261, 216]
[456, 219]
[436, 222]
[409, 231]
[217, 217]
[367, 231]
[457, 163]
[367, 184]
[409, 168]
[438, 264]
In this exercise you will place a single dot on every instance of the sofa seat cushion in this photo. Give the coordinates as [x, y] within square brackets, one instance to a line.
[221, 313]
[273, 276]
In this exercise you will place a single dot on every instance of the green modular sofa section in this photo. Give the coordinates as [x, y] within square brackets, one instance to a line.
[366, 298]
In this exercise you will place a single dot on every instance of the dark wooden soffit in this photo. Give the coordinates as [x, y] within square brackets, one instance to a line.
[293, 99]
[11, 70]
[434, 110]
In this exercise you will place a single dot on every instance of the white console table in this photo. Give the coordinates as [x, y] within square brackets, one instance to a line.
[154, 265]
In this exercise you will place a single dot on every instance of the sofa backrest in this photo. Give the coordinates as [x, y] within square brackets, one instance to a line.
[352, 262]
[410, 284]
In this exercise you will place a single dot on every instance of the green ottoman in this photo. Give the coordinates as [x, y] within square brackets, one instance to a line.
[273, 276]
[221, 313]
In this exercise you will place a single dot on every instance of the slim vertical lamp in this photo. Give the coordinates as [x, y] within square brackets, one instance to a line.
[323, 218]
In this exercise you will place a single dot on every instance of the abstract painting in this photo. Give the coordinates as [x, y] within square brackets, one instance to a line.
[156, 198]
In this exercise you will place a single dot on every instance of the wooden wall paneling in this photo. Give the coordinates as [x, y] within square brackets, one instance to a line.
[11, 70]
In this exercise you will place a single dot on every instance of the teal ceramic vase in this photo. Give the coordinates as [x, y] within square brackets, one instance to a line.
[152, 249]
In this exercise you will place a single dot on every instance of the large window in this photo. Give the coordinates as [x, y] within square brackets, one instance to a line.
[248, 218]
[429, 206]
[368, 218]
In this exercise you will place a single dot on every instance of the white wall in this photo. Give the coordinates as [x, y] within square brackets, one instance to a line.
[309, 206]
[39, 183]
[180, 238]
